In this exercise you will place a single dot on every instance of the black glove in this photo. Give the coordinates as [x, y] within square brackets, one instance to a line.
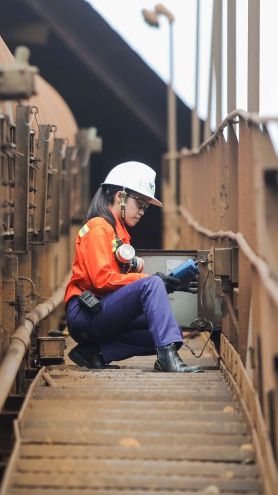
[191, 286]
[171, 283]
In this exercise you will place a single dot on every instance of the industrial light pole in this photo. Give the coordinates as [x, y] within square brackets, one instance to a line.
[169, 164]
[151, 18]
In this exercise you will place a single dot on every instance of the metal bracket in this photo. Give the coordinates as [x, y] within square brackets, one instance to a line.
[67, 189]
[223, 262]
[51, 349]
[17, 80]
[211, 261]
[38, 236]
[56, 189]
[21, 207]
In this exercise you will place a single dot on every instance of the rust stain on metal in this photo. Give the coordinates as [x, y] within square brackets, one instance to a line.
[129, 442]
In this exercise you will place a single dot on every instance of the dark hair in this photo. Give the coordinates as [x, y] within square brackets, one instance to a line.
[100, 202]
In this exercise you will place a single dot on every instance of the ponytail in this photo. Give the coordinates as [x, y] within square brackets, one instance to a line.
[100, 202]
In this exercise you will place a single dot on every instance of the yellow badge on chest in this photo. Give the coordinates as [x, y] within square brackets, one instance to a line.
[114, 245]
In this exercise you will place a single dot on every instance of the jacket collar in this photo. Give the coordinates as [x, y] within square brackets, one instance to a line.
[120, 228]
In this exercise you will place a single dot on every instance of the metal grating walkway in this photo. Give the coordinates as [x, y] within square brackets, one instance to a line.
[133, 431]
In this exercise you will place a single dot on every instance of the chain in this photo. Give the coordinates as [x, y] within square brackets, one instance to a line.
[53, 129]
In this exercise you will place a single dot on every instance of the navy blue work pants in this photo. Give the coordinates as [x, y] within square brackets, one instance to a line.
[133, 321]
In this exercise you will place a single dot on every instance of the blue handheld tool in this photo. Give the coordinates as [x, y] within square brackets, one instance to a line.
[186, 272]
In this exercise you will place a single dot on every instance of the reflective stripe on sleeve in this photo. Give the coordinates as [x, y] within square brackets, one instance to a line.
[85, 229]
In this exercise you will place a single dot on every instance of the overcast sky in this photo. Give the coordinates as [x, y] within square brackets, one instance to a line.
[152, 45]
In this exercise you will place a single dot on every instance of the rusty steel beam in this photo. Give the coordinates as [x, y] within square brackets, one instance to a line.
[233, 178]
[244, 235]
[56, 189]
[9, 281]
[96, 66]
[43, 155]
[67, 189]
[21, 201]
[246, 222]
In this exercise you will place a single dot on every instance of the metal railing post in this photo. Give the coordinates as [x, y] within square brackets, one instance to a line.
[253, 55]
[195, 121]
[231, 55]
[207, 122]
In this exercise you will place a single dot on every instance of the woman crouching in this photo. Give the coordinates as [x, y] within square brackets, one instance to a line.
[113, 310]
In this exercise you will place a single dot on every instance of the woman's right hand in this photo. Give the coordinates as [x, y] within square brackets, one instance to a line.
[171, 283]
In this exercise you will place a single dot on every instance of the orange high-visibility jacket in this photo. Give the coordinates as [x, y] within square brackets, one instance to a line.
[94, 266]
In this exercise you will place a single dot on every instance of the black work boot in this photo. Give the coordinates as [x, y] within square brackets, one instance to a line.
[88, 355]
[169, 361]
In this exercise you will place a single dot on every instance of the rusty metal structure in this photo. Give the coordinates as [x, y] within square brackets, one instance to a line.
[44, 192]
[231, 222]
[129, 430]
[224, 205]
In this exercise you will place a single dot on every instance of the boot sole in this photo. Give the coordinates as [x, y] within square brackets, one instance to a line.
[80, 361]
[181, 372]
[200, 370]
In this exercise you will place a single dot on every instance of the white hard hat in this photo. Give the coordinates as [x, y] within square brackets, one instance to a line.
[136, 176]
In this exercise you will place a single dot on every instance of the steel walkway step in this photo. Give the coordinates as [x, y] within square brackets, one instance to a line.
[133, 431]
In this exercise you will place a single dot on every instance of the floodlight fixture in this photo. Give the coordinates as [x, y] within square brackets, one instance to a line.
[150, 18]
[160, 9]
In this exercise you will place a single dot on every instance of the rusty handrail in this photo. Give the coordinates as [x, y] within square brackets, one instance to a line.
[20, 340]
[249, 117]
[261, 266]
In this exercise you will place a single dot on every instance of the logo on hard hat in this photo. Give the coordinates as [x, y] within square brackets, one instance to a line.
[151, 185]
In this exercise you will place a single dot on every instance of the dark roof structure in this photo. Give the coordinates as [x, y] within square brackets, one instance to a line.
[105, 83]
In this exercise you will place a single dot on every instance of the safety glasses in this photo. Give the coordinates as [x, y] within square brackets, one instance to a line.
[141, 204]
